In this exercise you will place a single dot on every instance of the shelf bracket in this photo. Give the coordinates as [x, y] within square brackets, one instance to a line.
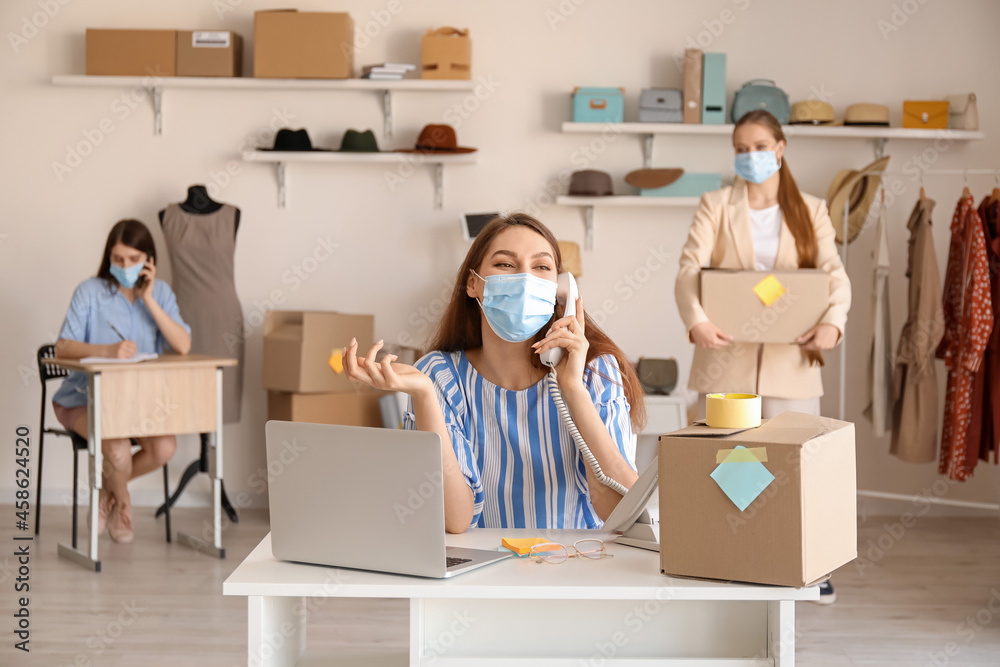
[588, 228]
[438, 185]
[647, 151]
[880, 147]
[387, 111]
[157, 110]
[281, 185]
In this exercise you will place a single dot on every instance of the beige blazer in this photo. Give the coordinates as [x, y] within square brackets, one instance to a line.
[721, 237]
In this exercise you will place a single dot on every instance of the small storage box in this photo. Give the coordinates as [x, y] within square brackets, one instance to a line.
[598, 105]
[209, 53]
[688, 185]
[661, 105]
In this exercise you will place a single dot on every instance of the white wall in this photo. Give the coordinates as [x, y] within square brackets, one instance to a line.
[396, 252]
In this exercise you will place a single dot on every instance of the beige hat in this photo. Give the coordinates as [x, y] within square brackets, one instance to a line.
[867, 114]
[811, 112]
[861, 187]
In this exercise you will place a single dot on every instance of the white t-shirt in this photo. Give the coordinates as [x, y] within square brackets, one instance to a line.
[766, 226]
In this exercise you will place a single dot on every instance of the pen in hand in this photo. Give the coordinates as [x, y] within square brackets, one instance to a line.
[115, 330]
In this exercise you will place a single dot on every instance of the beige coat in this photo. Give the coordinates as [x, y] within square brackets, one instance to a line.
[721, 237]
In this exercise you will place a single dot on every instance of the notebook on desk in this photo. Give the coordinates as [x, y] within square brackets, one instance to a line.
[361, 498]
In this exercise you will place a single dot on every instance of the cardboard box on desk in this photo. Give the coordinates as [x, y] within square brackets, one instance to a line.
[298, 345]
[209, 53]
[289, 44]
[347, 408]
[801, 527]
[779, 310]
[131, 52]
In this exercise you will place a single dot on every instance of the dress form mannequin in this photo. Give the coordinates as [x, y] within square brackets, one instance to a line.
[201, 236]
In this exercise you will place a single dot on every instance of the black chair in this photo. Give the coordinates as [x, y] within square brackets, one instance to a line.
[46, 372]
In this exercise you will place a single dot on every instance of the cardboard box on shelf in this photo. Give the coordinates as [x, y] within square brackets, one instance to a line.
[795, 476]
[446, 53]
[209, 53]
[131, 52]
[298, 345]
[289, 44]
[765, 306]
[347, 408]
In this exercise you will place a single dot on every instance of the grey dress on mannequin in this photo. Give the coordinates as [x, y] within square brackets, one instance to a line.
[202, 251]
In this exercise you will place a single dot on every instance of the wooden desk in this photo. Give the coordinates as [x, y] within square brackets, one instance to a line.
[617, 612]
[163, 396]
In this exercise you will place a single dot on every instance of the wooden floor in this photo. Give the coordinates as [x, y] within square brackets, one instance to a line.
[160, 604]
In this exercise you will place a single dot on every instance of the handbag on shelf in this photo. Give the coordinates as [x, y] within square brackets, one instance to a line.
[761, 94]
[925, 115]
[963, 112]
[657, 376]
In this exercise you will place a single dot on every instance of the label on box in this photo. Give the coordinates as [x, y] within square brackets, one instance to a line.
[210, 39]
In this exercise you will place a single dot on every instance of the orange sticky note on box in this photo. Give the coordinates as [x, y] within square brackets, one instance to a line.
[769, 290]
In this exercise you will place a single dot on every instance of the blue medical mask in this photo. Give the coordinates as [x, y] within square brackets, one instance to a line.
[518, 305]
[127, 276]
[756, 166]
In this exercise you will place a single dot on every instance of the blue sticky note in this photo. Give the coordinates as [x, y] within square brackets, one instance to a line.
[742, 481]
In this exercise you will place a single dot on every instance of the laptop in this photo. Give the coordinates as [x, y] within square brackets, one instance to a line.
[362, 498]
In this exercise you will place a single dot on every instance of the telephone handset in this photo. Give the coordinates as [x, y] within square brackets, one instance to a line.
[567, 294]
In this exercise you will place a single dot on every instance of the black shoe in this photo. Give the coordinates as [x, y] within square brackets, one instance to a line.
[826, 593]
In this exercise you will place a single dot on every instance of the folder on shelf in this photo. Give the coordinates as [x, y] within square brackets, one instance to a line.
[692, 85]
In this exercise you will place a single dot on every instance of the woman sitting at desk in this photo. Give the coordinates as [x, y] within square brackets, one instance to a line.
[124, 310]
[509, 460]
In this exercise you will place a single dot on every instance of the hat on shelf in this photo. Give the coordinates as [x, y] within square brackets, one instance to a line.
[855, 189]
[867, 114]
[292, 140]
[359, 142]
[646, 179]
[570, 252]
[590, 183]
[811, 112]
[437, 139]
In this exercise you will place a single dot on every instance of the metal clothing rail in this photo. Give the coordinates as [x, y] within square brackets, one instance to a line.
[843, 350]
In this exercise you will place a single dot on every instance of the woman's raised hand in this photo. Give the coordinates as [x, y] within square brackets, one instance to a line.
[384, 375]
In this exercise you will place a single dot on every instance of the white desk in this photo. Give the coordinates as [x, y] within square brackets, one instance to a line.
[517, 613]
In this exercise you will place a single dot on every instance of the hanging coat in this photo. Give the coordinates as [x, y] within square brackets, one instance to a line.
[990, 368]
[915, 411]
[880, 375]
[968, 321]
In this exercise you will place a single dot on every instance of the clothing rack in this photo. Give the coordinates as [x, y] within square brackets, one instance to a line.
[843, 350]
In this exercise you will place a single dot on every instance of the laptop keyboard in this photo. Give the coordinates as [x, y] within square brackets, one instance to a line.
[452, 561]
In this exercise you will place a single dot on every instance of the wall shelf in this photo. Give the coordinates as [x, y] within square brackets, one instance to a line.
[879, 135]
[282, 158]
[156, 85]
[589, 203]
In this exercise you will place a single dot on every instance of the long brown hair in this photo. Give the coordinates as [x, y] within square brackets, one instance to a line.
[132, 233]
[461, 325]
[793, 207]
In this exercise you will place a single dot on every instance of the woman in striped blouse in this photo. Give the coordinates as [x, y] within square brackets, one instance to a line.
[509, 461]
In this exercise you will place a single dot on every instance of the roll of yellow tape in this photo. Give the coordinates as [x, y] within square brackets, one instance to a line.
[732, 410]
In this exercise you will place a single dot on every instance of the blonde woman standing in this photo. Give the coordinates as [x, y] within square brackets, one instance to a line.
[761, 222]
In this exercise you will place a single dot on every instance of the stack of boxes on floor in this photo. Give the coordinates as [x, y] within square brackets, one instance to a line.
[302, 385]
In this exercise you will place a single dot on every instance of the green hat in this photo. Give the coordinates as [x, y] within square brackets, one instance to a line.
[359, 142]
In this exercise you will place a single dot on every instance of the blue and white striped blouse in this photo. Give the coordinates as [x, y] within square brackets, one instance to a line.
[517, 456]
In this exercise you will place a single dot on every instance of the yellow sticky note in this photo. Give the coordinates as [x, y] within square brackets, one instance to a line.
[769, 290]
[336, 360]
[741, 455]
[522, 545]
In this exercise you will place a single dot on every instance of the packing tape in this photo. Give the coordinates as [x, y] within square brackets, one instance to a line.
[732, 410]
[744, 455]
